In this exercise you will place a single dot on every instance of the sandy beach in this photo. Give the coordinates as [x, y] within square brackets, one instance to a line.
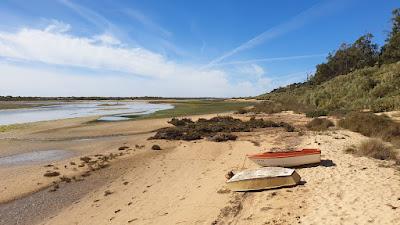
[184, 183]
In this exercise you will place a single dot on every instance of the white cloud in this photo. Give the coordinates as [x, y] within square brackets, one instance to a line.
[35, 81]
[107, 39]
[50, 62]
[252, 69]
[63, 49]
[58, 27]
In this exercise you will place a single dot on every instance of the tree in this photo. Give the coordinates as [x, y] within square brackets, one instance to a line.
[390, 52]
[362, 53]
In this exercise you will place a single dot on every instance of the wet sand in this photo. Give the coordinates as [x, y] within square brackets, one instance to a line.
[184, 183]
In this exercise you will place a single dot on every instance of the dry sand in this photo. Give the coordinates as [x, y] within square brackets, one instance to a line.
[185, 182]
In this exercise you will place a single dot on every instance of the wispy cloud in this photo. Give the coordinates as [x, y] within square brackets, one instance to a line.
[252, 69]
[27, 54]
[96, 19]
[301, 19]
[285, 58]
[147, 22]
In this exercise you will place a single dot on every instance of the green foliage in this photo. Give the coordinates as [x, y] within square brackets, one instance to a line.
[372, 125]
[316, 113]
[375, 88]
[391, 50]
[319, 124]
[216, 129]
[195, 107]
[362, 53]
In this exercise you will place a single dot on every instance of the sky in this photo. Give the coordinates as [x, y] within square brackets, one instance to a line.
[174, 48]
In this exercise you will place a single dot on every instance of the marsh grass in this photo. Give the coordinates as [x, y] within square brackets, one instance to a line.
[196, 107]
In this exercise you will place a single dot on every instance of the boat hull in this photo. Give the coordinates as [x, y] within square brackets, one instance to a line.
[253, 181]
[288, 161]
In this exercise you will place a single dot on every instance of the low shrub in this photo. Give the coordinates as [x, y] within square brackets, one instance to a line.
[155, 147]
[242, 111]
[268, 107]
[209, 128]
[319, 124]
[51, 174]
[223, 137]
[316, 113]
[372, 125]
[375, 148]
[180, 122]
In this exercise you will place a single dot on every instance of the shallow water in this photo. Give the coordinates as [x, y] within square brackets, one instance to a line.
[35, 157]
[79, 109]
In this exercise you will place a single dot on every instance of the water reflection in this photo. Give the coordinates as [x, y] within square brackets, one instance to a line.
[112, 111]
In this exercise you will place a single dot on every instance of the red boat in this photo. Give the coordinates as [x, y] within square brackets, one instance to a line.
[287, 159]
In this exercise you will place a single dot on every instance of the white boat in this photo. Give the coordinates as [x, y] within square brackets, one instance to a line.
[287, 159]
[263, 178]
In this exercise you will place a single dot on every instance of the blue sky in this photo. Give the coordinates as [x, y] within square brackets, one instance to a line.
[174, 48]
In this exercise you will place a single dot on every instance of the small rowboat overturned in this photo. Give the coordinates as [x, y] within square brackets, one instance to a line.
[287, 159]
[263, 178]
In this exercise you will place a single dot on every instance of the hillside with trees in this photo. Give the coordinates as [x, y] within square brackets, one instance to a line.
[356, 76]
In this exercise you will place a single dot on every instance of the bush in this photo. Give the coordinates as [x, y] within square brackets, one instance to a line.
[319, 124]
[180, 122]
[223, 137]
[268, 107]
[241, 111]
[155, 147]
[209, 128]
[316, 113]
[375, 148]
[372, 125]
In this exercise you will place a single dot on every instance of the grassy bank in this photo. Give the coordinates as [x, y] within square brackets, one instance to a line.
[195, 107]
[374, 88]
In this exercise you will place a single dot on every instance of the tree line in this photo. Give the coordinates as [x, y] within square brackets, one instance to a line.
[362, 53]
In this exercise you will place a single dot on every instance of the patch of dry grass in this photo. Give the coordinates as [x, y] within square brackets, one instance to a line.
[375, 148]
[319, 124]
[372, 125]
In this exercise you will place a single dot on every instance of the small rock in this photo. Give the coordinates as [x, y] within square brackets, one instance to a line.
[107, 192]
[229, 175]
[51, 174]
[123, 148]
[155, 147]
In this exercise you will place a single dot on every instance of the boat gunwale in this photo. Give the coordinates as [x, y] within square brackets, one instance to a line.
[256, 178]
[274, 155]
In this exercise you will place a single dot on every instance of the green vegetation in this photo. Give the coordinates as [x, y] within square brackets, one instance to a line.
[390, 52]
[319, 124]
[356, 76]
[372, 125]
[362, 53]
[375, 88]
[4, 128]
[195, 107]
[374, 148]
[215, 129]
[271, 107]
